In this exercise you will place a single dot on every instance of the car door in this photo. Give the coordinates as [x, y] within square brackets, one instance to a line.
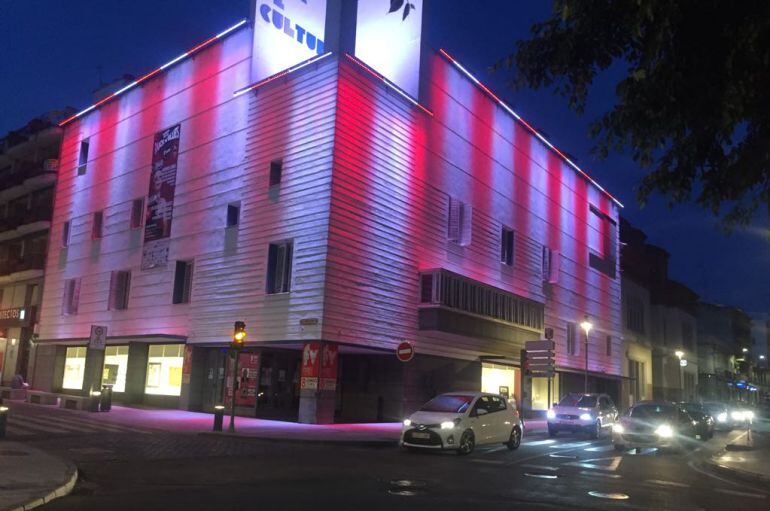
[481, 420]
[502, 419]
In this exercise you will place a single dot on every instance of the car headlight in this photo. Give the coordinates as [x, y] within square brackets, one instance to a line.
[585, 417]
[737, 416]
[447, 425]
[550, 414]
[617, 428]
[407, 422]
[749, 415]
[664, 431]
[722, 417]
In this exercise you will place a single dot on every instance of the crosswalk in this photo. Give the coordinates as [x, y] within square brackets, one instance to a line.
[21, 426]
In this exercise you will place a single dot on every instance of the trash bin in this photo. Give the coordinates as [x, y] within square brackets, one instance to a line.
[3, 420]
[219, 413]
[93, 405]
[105, 403]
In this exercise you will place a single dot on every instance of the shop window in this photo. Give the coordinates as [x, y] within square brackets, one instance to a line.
[276, 172]
[74, 368]
[164, 370]
[98, 224]
[71, 297]
[115, 367]
[83, 157]
[279, 267]
[506, 246]
[183, 281]
[137, 211]
[498, 379]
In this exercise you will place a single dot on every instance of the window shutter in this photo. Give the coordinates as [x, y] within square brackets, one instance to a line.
[287, 268]
[465, 224]
[271, 268]
[455, 207]
[179, 278]
[555, 266]
[111, 301]
[187, 292]
[75, 296]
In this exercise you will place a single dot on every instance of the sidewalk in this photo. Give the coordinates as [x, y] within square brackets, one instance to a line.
[746, 458]
[30, 478]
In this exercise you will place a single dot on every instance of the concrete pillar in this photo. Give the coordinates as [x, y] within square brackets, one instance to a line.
[48, 367]
[191, 397]
[136, 371]
[92, 379]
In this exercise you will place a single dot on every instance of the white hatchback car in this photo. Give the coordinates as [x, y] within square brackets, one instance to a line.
[462, 420]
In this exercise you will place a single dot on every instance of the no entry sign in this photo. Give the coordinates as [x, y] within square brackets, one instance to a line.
[405, 351]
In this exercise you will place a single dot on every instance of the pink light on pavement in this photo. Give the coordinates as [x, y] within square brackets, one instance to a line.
[387, 82]
[192, 51]
[281, 74]
[516, 116]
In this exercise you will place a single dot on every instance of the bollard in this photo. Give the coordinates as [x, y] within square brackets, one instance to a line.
[219, 413]
[93, 405]
[105, 403]
[3, 420]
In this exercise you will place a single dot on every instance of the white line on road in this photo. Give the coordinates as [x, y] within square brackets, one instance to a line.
[539, 442]
[600, 474]
[660, 482]
[601, 448]
[741, 493]
[541, 467]
[495, 449]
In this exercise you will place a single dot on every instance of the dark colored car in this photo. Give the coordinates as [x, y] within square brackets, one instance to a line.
[704, 428]
[660, 424]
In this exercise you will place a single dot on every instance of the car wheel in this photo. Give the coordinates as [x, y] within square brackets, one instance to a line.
[596, 431]
[619, 447]
[467, 443]
[551, 431]
[515, 440]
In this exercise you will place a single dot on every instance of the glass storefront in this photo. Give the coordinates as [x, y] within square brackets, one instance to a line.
[115, 367]
[499, 379]
[540, 392]
[74, 368]
[164, 370]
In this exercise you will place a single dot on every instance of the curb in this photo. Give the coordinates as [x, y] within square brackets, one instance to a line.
[744, 475]
[61, 491]
[355, 443]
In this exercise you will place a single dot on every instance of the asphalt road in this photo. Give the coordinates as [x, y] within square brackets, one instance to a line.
[162, 470]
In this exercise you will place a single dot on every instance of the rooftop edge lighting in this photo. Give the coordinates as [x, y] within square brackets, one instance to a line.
[143, 78]
[526, 125]
[387, 82]
[283, 73]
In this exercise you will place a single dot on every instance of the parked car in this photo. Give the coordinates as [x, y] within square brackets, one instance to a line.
[721, 415]
[704, 428]
[658, 424]
[588, 413]
[462, 420]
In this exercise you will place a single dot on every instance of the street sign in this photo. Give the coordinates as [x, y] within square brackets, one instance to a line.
[543, 345]
[540, 358]
[98, 337]
[405, 351]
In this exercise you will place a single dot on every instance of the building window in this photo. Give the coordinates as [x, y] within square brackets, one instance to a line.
[120, 288]
[83, 157]
[65, 234]
[635, 314]
[71, 297]
[550, 265]
[459, 224]
[233, 214]
[609, 345]
[183, 281]
[164, 370]
[137, 211]
[506, 246]
[276, 172]
[279, 267]
[96, 228]
[571, 339]
[602, 242]
[115, 367]
[74, 368]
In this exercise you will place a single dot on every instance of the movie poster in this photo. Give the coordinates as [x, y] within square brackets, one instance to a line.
[160, 199]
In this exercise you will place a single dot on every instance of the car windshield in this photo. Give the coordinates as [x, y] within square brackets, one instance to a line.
[651, 411]
[448, 403]
[578, 400]
[714, 407]
[695, 408]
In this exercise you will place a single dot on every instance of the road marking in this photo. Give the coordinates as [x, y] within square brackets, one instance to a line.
[540, 442]
[541, 467]
[741, 493]
[600, 474]
[541, 476]
[570, 456]
[611, 496]
[660, 482]
[614, 463]
[570, 445]
[495, 449]
[601, 448]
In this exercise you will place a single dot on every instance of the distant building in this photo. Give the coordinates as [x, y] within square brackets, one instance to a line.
[28, 166]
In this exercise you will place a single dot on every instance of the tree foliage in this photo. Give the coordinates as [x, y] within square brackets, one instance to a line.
[693, 102]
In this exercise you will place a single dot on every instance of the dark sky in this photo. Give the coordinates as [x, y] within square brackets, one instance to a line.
[52, 53]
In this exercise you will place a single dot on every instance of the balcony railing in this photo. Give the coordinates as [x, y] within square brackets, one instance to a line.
[19, 218]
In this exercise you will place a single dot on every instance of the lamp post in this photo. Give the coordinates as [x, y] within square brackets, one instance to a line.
[679, 354]
[586, 325]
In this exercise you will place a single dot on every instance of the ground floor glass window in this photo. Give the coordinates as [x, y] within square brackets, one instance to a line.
[115, 366]
[74, 368]
[164, 370]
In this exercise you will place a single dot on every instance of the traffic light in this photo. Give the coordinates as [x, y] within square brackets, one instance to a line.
[239, 334]
[524, 359]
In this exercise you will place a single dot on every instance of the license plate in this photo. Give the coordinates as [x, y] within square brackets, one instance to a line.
[421, 435]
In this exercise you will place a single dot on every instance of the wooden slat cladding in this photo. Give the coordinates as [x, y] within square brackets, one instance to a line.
[396, 170]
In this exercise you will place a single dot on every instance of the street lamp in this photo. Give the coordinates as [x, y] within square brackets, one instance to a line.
[745, 350]
[586, 325]
[679, 354]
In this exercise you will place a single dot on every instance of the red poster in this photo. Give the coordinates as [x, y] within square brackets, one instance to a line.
[246, 381]
[311, 361]
[187, 364]
[329, 359]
